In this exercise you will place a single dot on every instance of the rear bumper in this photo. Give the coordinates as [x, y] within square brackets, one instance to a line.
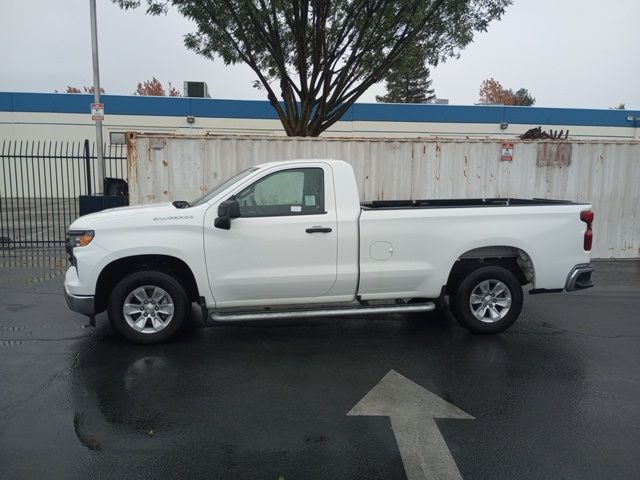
[579, 277]
[81, 304]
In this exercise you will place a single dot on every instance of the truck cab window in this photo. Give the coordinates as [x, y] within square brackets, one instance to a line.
[297, 191]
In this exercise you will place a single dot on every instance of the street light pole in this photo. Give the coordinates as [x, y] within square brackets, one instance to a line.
[96, 97]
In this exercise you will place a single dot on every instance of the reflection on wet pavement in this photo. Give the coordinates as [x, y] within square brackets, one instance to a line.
[32, 265]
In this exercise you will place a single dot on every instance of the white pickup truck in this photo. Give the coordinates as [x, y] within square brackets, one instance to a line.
[292, 238]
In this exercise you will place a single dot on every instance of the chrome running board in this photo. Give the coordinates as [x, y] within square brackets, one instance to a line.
[218, 316]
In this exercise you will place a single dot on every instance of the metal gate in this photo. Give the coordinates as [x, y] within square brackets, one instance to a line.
[40, 185]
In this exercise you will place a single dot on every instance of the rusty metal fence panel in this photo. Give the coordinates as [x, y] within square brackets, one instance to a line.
[40, 185]
[604, 173]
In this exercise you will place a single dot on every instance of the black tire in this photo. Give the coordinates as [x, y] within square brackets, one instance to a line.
[150, 278]
[461, 297]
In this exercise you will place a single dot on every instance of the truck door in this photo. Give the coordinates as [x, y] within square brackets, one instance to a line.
[283, 247]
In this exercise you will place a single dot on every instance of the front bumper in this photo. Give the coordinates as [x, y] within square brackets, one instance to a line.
[579, 277]
[84, 304]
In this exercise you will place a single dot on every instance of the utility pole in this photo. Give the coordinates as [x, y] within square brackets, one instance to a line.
[97, 115]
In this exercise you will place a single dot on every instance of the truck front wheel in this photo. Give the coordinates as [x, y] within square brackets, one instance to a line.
[487, 300]
[148, 307]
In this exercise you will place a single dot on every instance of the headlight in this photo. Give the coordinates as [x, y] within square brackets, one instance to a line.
[77, 238]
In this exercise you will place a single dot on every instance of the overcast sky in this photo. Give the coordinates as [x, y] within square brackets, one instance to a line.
[567, 53]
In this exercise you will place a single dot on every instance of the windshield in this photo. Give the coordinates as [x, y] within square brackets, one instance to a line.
[216, 190]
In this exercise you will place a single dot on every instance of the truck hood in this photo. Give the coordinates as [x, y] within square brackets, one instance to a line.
[120, 213]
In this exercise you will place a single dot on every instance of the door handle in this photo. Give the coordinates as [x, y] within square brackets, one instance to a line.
[318, 230]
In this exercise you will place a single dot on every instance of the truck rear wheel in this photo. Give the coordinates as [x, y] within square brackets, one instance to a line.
[148, 307]
[487, 300]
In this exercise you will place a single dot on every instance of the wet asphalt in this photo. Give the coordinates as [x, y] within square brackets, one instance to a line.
[557, 396]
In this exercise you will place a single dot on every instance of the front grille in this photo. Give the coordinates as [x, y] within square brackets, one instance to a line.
[68, 246]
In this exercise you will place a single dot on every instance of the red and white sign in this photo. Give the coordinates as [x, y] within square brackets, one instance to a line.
[97, 111]
[506, 152]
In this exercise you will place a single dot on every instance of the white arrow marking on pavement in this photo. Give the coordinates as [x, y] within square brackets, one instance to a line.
[412, 410]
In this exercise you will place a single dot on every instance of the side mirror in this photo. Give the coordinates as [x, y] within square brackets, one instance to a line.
[229, 208]
[222, 222]
[226, 211]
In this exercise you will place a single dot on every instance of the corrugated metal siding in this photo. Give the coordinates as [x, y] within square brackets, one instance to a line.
[606, 174]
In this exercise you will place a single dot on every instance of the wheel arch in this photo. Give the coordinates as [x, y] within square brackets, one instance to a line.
[119, 268]
[512, 258]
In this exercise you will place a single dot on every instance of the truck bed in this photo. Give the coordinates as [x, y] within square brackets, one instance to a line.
[461, 202]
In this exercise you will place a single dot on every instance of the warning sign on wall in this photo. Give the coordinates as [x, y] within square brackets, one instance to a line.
[506, 152]
[97, 111]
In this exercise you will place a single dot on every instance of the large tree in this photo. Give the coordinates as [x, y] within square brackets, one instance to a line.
[492, 92]
[322, 55]
[408, 80]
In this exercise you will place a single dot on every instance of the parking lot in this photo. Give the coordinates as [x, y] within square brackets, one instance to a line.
[556, 396]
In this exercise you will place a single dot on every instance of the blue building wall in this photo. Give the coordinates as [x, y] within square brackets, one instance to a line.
[372, 112]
